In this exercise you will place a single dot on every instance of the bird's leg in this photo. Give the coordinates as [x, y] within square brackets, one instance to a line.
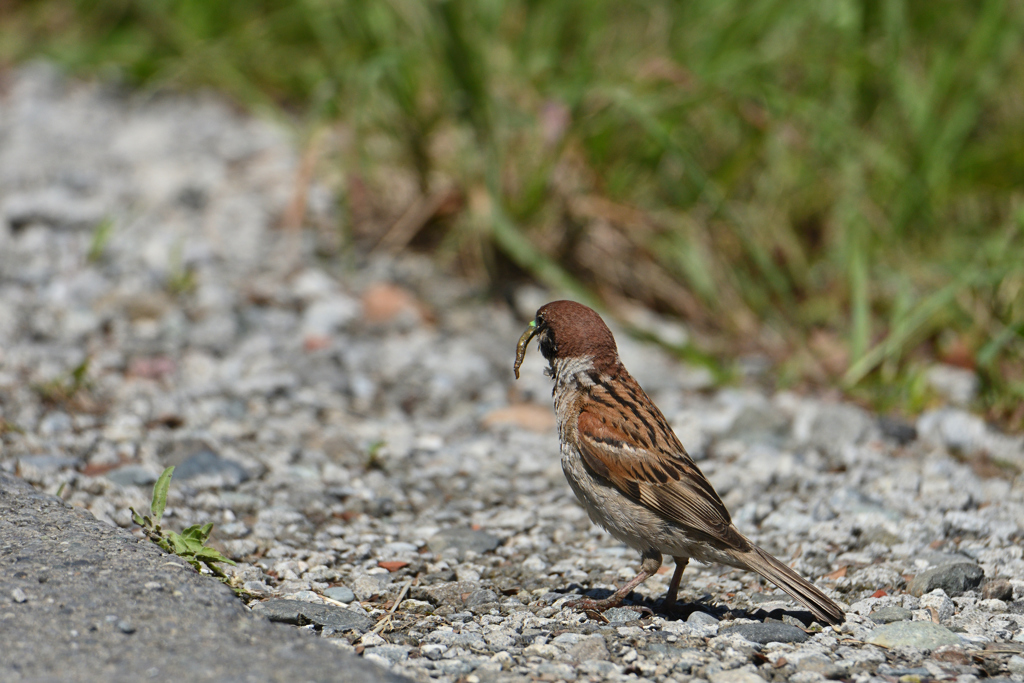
[673, 588]
[650, 564]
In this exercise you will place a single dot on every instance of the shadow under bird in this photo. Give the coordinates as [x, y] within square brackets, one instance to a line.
[630, 471]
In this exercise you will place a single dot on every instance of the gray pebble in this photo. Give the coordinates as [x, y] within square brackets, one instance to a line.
[896, 672]
[463, 540]
[954, 579]
[887, 615]
[620, 615]
[324, 616]
[132, 475]
[340, 594]
[701, 619]
[896, 429]
[392, 653]
[767, 633]
[481, 597]
[923, 635]
[212, 469]
[48, 462]
[998, 589]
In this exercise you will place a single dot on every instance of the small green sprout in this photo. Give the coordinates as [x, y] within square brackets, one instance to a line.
[190, 544]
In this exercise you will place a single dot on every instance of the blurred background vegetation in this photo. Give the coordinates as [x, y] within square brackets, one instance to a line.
[836, 186]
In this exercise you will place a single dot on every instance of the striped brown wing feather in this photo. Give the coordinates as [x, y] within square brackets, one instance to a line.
[626, 440]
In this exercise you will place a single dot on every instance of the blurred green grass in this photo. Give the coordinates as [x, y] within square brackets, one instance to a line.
[836, 185]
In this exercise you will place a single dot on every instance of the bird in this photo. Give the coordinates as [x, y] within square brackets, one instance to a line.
[630, 471]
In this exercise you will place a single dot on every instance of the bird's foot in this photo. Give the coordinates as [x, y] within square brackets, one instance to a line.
[591, 605]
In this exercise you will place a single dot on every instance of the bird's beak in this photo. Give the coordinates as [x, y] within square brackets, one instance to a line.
[530, 333]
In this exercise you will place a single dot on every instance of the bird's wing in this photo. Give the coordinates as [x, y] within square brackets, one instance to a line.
[626, 440]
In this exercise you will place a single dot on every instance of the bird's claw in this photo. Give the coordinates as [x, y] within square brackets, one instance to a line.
[598, 606]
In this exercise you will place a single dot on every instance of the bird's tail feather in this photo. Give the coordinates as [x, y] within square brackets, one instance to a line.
[798, 588]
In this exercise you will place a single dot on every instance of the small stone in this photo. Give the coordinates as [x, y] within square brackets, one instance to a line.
[938, 600]
[503, 659]
[206, 463]
[462, 541]
[372, 640]
[957, 429]
[998, 589]
[923, 635]
[555, 671]
[959, 386]
[385, 303]
[1015, 665]
[392, 565]
[365, 586]
[433, 651]
[324, 616]
[585, 649]
[392, 653]
[601, 668]
[47, 462]
[456, 668]
[18, 596]
[887, 615]
[896, 429]
[57, 422]
[953, 654]
[340, 594]
[913, 673]
[735, 676]
[701, 619]
[447, 593]
[481, 597]
[758, 422]
[767, 633]
[416, 606]
[838, 424]
[500, 640]
[257, 588]
[807, 677]
[992, 605]
[954, 579]
[125, 626]
[132, 475]
[327, 316]
[621, 615]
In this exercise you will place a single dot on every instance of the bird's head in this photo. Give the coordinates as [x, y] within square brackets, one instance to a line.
[566, 329]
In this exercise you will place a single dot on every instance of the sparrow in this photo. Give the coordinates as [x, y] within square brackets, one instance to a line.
[630, 471]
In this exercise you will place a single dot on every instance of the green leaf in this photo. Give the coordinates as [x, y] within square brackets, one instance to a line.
[213, 555]
[79, 373]
[160, 493]
[179, 544]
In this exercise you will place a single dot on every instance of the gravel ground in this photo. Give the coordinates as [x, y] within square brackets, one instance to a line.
[353, 430]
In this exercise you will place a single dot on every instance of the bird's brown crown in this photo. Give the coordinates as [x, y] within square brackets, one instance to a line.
[571, 330]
